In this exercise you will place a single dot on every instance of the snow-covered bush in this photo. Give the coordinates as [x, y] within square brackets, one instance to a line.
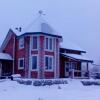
[96, 83]
[37, 83]
[20, 81]
[87, 83]
[41, 82]
[28, 82]
[47, 82]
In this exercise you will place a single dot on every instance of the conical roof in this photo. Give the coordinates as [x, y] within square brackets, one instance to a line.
[40, 25]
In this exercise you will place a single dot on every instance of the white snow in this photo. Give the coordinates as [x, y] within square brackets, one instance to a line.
[70, 45]
[11, 90]
[5, 56]
[16, 76]
[40, 25]
[78, 57]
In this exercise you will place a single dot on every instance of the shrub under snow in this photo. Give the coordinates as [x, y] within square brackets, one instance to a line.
[42, 82]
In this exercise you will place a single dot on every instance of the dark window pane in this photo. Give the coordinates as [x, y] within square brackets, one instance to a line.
[34, 62]
[34, 42]
[21, 63]
[48, 63]
[50, 44]
[21, 43]
[46, 43]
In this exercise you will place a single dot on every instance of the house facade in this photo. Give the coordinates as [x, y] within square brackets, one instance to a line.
[37, 53]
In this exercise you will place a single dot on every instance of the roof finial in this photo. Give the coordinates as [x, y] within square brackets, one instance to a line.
[41, 13]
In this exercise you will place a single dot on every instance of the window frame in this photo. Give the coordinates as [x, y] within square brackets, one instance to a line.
[52, 69]
[37, 42]
[20, 67]
[21, 40]
[48, 48]
[31, 63]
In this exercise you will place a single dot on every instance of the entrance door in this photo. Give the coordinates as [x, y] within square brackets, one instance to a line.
[70, 69]
[67, 69]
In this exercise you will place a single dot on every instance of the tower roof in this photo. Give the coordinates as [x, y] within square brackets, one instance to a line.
[40, 25]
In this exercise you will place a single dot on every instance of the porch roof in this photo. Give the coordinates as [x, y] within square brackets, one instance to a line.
[5, 56]
[82, 58]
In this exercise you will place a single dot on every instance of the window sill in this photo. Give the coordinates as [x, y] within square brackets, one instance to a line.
[34, 70]
[21, 68]
[49, 70]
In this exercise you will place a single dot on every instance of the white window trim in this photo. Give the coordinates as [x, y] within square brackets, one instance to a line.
[49, 70]
[37, 42]
[19, 63]
[49, 43]
[70, 65]
[19, 43]
[37, 62]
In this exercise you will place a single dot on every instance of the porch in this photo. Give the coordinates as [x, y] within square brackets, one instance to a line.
[6, 64]
[71, 65]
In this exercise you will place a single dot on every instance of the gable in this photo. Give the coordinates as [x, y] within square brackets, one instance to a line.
[7, 44]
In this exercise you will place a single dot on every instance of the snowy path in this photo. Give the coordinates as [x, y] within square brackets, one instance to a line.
[10, 90]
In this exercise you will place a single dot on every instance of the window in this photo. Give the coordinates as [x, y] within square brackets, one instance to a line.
[48, 63]
[74, 65]
[49, 44]
[46, 43]
[20, 63]
[34, 62]
[34, 42]
[21, 43]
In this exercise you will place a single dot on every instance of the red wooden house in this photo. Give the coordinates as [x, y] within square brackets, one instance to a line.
[37, 53]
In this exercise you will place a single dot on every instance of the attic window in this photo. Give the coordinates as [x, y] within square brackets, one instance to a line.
[21, 43]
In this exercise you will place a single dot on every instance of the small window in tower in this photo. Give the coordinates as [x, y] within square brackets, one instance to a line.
[49, 43]
[21, 43]
[34, 42]
[46, 43]
[48, 63]
[34, 62]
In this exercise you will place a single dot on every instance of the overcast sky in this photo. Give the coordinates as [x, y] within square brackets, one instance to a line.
[76, 20]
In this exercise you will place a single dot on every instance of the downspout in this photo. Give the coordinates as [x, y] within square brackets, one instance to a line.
[29, 69]
[14, 55]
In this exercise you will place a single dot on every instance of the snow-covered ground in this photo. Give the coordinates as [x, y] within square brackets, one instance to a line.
[74, 90]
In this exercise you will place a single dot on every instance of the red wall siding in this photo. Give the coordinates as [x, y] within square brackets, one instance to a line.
[9, 47]
[34, 74]
[41, 57]
[20, 53]
[27, 50]
[49, 53]
[57, 58]
[34, 52]
[49, 74]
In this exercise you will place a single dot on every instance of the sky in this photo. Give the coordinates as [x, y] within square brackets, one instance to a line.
[77, 21]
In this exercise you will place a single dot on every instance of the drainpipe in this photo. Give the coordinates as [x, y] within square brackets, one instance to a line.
[14, 55]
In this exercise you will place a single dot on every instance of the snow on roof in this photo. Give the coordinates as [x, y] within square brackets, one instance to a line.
[38, 25]
[72, 46]
[5, 56]
[77, 57]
